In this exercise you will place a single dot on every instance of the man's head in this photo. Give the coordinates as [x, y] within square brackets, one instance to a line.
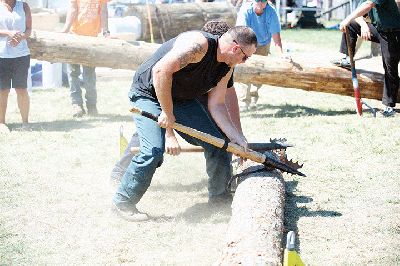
[216, 27]
[237, 45]
[259, 6]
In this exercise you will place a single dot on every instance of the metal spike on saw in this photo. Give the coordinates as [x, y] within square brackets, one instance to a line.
[285, 165]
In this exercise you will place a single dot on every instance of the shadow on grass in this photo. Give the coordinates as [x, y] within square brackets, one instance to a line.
[289, 110]
[293, 213]
[204, 211]
[71, 124]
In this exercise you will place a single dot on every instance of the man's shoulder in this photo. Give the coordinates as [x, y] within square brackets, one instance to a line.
[194, 36]
[270, 10]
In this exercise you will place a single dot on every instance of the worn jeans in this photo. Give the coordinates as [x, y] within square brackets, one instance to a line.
[140, 171]
[89, 82]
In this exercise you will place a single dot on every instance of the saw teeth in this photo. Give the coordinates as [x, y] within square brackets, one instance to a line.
[292, 164]
[278, 140]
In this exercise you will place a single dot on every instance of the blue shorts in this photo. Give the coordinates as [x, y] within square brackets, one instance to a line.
[15, 71]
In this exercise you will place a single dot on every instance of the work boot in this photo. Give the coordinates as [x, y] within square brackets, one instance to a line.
[129, 213]
[78, 110]
[92, 110]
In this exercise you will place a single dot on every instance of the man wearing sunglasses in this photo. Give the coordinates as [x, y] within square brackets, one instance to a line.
[263, 19]
[168, 85]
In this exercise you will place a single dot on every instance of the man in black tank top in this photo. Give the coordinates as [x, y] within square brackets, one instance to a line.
[167, 85]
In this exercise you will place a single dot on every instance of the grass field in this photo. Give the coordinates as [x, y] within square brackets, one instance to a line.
[55, 198]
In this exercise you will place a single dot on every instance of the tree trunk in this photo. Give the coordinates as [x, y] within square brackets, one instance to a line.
[89, 51]
[168, 20]
[304, 74]
[255, 231]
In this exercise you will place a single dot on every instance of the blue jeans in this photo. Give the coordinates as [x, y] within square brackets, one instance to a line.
[89, 82]
[140, 171]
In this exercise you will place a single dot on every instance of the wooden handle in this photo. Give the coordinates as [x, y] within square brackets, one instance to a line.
[256, 146]
[232, 147]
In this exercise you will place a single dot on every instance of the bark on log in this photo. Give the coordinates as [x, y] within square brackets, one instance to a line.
[113, 53]
[90, 51]
[168, 20]
[255, 231]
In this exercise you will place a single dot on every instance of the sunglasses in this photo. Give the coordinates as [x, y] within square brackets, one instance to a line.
[262, 1]
[245, 57]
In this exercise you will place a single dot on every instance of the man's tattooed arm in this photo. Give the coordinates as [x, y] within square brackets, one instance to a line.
[189, 47]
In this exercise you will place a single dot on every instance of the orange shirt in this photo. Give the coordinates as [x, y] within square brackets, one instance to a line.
[88, 19]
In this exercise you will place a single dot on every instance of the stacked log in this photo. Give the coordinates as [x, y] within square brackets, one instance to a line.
[168, 20]
[307, 75]
[255, 230]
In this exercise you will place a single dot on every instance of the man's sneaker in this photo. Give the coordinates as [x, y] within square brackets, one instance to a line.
[92, 110]
[388, 112]
[130, 214]
[78, 110]
[342, 62]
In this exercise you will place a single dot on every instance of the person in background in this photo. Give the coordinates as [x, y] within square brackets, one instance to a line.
[215, 27]
[88, 18]
[261, 17]
[385, 29]
[15, 28]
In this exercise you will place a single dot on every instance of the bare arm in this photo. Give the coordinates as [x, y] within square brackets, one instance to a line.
[16, 36]
[278, 42]
[71, 16]
[189, 48]
[360, 11]
[28, 23]
[231, 102]
[219, 112]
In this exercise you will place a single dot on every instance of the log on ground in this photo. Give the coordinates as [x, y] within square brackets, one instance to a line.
[303, 74]
[255, 231]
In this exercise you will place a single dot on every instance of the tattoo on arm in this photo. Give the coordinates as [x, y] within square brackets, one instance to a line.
[190, 55]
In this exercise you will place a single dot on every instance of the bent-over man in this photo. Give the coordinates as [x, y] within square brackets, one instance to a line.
[168, 85]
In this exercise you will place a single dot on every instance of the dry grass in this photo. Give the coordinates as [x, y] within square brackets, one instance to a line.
[54, 194]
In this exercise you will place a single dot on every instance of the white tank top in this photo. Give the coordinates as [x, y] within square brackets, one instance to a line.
[14, 20]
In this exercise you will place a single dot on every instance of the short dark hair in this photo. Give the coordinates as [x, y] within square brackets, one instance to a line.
[216, 27]
[243, 35]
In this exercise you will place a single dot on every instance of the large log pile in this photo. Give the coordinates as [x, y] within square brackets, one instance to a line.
[255, 231]
[102, 52]
[168, 20]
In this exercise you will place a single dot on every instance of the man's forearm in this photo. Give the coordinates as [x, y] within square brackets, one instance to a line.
[231, 102]
[360, 11]
[71, 15]
[162, 87]
[221, 117]
[278, 42]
